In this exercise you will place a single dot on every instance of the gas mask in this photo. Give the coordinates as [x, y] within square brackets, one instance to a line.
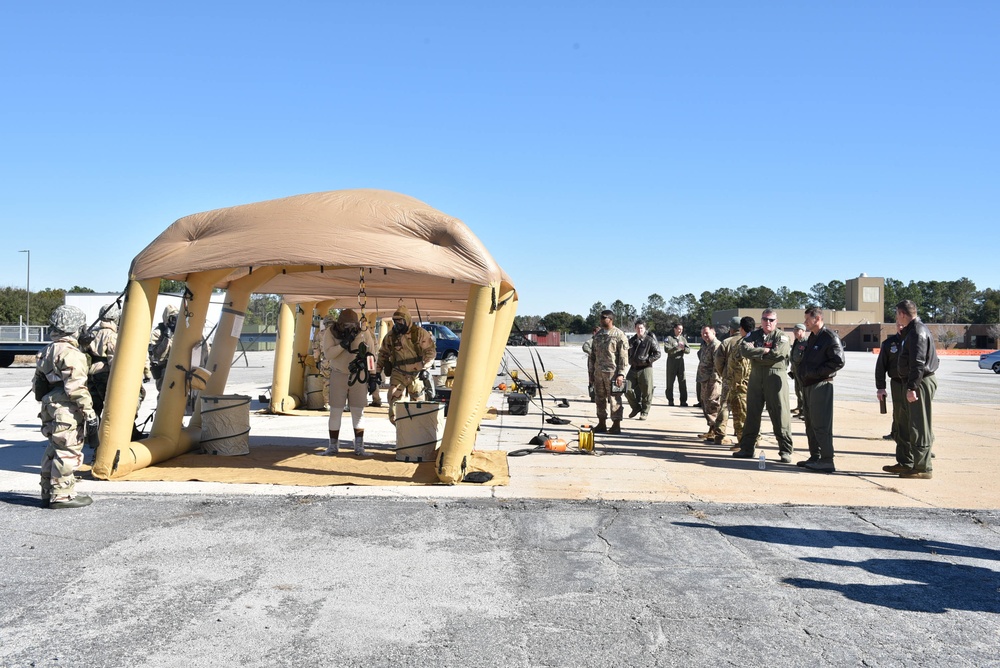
[399, 327]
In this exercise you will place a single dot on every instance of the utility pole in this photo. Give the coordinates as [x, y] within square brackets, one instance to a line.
[28, 315]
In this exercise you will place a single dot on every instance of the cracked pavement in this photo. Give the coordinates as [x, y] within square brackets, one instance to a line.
[658, 553]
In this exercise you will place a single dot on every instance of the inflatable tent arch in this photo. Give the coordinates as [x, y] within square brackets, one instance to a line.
[313, 248]
[296, 316]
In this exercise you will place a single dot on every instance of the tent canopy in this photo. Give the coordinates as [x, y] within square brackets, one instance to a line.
[406, 248]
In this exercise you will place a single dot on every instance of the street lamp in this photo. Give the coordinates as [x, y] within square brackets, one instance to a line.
[28, 315]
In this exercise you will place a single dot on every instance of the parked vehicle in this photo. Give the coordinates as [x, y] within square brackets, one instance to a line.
[990, 361]
[519, 339]
[446, 340]
[21, 340]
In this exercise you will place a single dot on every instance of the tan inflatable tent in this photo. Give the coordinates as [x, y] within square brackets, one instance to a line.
[314, 250]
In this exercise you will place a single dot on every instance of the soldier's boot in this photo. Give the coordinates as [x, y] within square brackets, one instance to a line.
[616, 427]
[359, 443]
[78, 501]
[334, 446]
[377, 400]
[46, 494]
[601, 428]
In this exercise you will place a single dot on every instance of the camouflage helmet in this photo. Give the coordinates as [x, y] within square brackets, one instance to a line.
[68, 319]
[111, 312]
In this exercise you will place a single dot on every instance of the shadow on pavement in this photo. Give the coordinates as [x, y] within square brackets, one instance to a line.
[934, 586]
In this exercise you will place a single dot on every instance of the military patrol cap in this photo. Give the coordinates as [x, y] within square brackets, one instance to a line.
[68, 319]
[734, 322]
[800, 326]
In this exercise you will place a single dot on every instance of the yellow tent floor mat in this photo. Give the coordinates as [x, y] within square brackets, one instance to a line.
[283, 465]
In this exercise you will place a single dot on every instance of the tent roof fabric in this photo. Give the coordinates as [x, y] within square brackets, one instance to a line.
[407, 248]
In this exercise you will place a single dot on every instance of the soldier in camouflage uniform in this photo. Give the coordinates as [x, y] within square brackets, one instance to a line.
[606, 368]
[159, 344]
[406, 354]
[100, 344]
[737, 378]
[710, 386]
[722, 354]
[768, 349]
[67, 414]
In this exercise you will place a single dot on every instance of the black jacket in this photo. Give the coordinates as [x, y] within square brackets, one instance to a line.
[887, 363]
[823, 358]
[918, 358]
[643, 352]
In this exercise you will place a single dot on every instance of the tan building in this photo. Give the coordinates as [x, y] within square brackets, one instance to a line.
[859, 325]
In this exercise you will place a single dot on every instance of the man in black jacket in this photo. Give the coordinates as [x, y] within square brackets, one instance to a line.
[643, 351]
[822, 359]
[917, 364]
[887, 364]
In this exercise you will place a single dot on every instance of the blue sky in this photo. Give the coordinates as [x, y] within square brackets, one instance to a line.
[600, 150]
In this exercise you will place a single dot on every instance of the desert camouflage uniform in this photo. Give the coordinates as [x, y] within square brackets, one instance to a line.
[607, 360]
[737, 378]
[66, 408]
[710, 385]
[722, 354]
[101, 349]
[407, 355]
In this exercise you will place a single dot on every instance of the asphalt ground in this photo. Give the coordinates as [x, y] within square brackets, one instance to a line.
[657, 551]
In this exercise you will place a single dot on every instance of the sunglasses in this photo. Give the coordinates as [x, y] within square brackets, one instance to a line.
[769, 319]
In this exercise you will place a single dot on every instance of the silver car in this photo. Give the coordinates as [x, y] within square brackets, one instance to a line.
[990, 361]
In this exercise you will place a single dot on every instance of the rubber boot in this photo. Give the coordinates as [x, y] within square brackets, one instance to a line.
[616, 427]
[334, 446]
[78, 501]
[359, 443]
[601, 428]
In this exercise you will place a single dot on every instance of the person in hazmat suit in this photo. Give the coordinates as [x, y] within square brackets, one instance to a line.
[406, 355]
[347, 343]
[67, 414]
[159, 344]
[100, 344]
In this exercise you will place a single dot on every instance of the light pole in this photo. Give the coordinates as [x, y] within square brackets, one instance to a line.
[28, 315]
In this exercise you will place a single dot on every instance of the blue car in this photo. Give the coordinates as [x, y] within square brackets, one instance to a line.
[990, 361]
[446, 340]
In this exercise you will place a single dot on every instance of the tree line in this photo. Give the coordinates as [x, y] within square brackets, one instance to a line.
[937, 302]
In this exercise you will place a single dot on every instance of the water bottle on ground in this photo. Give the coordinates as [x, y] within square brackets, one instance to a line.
[762, 461]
